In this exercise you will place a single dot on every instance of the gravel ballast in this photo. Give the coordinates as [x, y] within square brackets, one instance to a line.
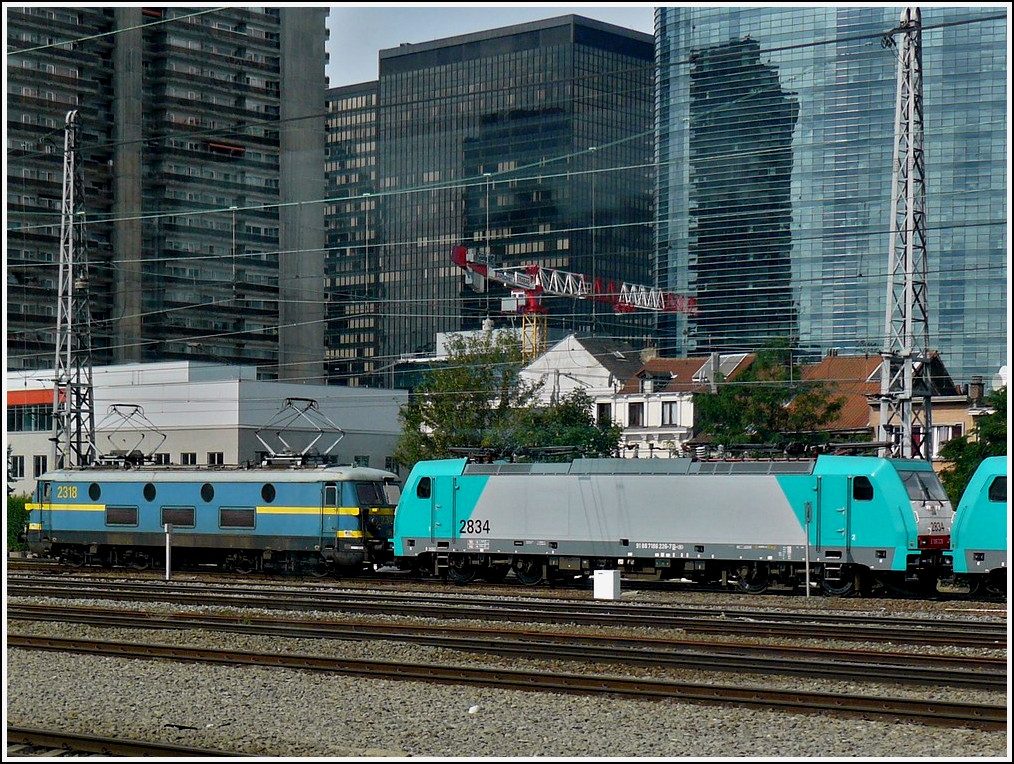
[284, 713]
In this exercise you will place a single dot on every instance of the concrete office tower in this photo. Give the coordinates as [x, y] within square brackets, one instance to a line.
[202, 142]
[776, 133]
[532, 141]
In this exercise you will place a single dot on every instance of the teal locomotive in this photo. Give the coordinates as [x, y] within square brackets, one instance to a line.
[979, 533]
[313, 520]
[843, 523]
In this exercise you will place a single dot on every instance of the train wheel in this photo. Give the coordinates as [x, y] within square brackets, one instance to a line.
[73, 558]
[139, 561]
[461, 570]
[840, 587]
[752, 579]
[529, 571]
[318, 568]
[242, 563]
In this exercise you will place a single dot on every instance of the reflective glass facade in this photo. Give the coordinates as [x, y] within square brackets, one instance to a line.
[534, 141]
[776, 134]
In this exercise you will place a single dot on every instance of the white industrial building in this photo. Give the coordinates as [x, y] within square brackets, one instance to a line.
[197, 413]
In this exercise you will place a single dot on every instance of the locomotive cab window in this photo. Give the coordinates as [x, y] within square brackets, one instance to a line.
[862, 488]
[178, 517]
[121, 515]
[998, 489]
[923, 486]
[424, 489]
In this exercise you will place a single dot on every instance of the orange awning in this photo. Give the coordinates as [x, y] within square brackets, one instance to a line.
[29, 397]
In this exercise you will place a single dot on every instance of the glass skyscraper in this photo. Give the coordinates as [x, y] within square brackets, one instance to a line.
[776, 134]
[532, 141]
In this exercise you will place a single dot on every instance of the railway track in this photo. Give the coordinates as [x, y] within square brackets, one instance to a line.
[701, 620]
[929, 712]
[862, 665]
[397, 578]
[29, 742]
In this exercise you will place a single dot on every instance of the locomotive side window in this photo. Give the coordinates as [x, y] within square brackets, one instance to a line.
[268, 493]
[236, 517]
[94, 491]
[121, 515]
[207, 492]
[180, 517]
[425, 488]
[149, 492]
[331, 495]
[998, 489]
[862, 488]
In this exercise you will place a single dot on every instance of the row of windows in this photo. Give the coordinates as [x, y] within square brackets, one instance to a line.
[184, 517]
[40, 463]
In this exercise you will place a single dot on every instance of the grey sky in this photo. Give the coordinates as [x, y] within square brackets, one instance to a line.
[359, 32]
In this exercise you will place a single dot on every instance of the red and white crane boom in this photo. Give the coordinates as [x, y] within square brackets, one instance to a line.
[536, 280]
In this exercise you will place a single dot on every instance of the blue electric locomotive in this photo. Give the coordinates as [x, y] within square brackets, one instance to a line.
[311, 520]
[979, 533]
[837, 521]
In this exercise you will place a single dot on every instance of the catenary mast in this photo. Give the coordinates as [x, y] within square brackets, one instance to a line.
[73, 395]
[906, 366]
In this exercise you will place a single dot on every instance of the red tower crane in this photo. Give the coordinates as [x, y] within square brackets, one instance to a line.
[529, 283]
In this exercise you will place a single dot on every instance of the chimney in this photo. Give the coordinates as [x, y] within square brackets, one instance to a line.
[977, 389]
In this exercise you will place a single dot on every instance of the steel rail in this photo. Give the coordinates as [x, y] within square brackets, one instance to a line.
[929, 712]
[701, 620]
[972, 673]
[108, 746]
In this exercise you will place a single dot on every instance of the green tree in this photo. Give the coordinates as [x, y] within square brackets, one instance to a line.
[471, 402]
[17, 517]
[987, 438]
[569, 429]
[478, 402]
[768, 404]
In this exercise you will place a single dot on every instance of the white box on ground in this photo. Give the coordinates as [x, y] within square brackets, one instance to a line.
[607, 584]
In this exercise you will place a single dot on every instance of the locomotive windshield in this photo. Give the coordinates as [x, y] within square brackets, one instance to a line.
[370, 494]
[923, 486]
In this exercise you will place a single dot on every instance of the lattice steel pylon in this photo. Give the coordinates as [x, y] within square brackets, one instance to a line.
[73, 394]
[905, 372]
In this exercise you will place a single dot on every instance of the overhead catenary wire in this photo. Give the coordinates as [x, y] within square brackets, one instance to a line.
[646, 222]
